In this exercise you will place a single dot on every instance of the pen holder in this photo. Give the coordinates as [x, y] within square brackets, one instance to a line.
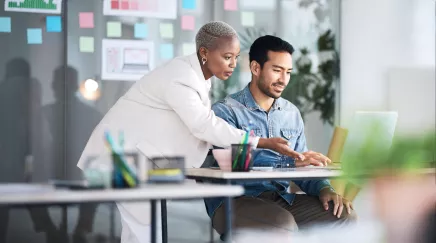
[241, 157]
[167, 169]
[125, 171]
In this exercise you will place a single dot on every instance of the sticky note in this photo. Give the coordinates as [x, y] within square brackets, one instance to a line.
[166, 51]
[86, 20]
[247, 19]
[231, 5]
[141, 30]
[113, 29]
[188, 22]
[188, 48]
[5, 24]
[34, 36]
[53, 24]
[86, 44]
[189, 4]
[166, 31]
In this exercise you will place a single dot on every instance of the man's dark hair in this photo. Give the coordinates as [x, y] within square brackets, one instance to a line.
[260, 47]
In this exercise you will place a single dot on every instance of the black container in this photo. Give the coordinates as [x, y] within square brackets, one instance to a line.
[242, 159]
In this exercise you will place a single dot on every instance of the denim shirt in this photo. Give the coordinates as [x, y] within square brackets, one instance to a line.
[283, 120]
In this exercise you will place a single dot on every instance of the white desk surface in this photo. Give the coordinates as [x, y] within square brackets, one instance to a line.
[295, 173]
[26, 194]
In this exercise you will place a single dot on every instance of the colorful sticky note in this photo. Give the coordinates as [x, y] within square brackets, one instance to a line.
[188, 22]
[34, 36]
[166, 51]
[5, 24]
[53, 24]
[141, 30]
[247, 19]
[166, 31]
[189, 4]
[188, 48]
[86, 20]
[113, 29]
[231, 5]
[86, 44]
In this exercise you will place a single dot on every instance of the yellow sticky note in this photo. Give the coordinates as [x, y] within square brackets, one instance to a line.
[247, 19]
[86, 44]
[188, 48]
[166, 31]
[113, 29]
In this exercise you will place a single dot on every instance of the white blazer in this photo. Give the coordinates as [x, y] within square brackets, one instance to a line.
[167, 112]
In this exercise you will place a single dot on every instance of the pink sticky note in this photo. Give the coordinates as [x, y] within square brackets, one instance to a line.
[86, 20]
[188, 22]
[231, 5]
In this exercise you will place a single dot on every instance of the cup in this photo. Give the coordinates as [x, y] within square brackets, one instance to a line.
[241, 157]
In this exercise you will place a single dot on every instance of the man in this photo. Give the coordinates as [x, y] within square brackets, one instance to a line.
[268, 204]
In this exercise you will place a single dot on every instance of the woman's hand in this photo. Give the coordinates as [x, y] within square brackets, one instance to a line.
[280, 145]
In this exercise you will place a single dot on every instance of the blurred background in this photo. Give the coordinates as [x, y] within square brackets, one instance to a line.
[58, 78]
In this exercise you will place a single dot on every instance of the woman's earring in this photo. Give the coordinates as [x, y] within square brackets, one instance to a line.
[204, 60]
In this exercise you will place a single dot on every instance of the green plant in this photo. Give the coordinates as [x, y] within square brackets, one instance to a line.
[407, 155]
[316, 91]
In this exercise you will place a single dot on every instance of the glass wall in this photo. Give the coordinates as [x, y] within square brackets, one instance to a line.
[54, 52]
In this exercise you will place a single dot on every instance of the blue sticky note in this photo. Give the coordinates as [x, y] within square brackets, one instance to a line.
[34, 36]
[141, 31]
[189, 4]
[166, 51]
[53, 24]
[5, 24]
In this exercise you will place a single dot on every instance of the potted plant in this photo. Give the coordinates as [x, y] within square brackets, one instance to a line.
[402, 181]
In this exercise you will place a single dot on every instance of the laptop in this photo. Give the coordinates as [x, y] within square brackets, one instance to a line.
[361, 129]
[136, 60]
[376, 127]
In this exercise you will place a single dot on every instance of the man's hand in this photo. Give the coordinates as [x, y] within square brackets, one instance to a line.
[280, 145]
[327, 194]
[313, 158]
[348, 205]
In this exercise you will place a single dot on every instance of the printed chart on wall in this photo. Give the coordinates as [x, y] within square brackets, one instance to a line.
[141, 8]
[126, 60]
[34, 6]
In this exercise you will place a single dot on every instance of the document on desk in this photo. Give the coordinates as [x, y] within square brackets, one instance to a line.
[10, 188]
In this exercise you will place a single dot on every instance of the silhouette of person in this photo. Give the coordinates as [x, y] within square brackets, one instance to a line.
[20, 100]
[69, 138]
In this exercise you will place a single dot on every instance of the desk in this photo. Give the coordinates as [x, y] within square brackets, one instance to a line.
[227, 177]
[32, 194]
[311, 173]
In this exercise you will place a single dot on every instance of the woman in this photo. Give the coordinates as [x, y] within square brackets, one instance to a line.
[168, 112]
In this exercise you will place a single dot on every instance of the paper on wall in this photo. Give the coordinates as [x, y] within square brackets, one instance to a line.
[34, 6]
[126, 60]
[141, 8]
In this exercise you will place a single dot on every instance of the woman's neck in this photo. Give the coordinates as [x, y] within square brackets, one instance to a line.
[206, 73]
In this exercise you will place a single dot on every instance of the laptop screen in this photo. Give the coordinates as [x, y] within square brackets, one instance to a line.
[370, 131]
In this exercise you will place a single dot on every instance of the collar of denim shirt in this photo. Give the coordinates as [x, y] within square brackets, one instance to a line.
[250, 103]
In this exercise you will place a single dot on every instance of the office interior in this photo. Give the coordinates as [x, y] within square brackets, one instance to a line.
[58, 79]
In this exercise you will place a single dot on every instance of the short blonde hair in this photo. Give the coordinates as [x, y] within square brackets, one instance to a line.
[210, 32]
